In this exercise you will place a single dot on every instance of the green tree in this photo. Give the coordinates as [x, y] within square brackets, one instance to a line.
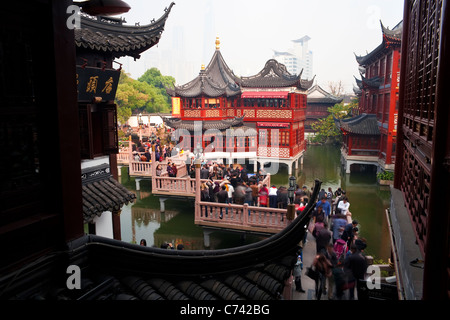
[325, 129]
[147, 94]
[154, 78]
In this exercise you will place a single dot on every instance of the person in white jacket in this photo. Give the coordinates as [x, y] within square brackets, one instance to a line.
[273, 196]
[344, 205]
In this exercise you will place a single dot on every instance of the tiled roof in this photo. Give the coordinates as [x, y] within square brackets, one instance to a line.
[217, 79]
[275, 75]
[318, 95]
[191, 125]
[117, 270]
[108, 35]
[101, 192]
[374, 82]
[390, 38]
[365, 124]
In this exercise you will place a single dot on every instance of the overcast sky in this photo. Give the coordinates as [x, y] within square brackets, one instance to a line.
[250, 30]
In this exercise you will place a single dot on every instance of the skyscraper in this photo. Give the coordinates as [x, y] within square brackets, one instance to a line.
[297, 58]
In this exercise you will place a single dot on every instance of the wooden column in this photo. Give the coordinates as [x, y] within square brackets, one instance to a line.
[401, 96]
[117, 233]
[436, 268]
[198, 165]
[68, 123]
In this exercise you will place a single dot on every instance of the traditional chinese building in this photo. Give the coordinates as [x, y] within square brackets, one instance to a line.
[317, 106]
[378, 95]
[99, 41]
[260, 117]
[361, 139]
[42, 236]
[420, 211]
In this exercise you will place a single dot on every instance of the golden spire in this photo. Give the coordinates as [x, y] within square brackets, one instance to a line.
[203, 67]
[217, 43]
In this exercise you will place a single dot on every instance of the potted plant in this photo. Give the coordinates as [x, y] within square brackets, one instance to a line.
[385, 178]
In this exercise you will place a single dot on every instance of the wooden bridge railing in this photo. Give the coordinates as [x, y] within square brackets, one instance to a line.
[183, 185]
[245, 217]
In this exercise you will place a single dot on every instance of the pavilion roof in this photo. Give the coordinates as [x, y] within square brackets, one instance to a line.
[275, 75]
[191, 125]
[106, 34]
[390, 38]
[373, 82]
[217, 79]
[365, 124]
[357, 90]
[318, 95]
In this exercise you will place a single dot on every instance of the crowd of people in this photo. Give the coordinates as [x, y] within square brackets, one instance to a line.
[228, 184]
[142, 151]
[339, 262]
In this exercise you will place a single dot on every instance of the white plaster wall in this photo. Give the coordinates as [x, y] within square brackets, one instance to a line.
[103, 225]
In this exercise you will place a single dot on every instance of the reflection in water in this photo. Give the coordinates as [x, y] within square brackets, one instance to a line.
[368, 201]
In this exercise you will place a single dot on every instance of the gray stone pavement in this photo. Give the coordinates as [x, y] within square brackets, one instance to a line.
[308, 284]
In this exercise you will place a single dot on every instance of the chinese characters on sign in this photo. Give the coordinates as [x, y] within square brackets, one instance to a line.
[176, 105]
[95, 82]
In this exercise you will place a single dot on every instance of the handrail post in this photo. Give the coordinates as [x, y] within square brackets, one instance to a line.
[130, 155]
[198, 164]
[153, 166]
[245, 214]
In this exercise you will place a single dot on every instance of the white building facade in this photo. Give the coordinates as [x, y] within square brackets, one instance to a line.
[298, 57]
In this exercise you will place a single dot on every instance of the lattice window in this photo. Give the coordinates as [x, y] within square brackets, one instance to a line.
[419, 109]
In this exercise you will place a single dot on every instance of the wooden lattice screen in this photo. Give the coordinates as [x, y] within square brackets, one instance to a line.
[420, 77]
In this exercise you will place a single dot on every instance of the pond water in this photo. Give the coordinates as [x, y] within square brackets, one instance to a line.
[368, 202]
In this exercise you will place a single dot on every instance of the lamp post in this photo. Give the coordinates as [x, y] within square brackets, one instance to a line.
[290, 214]
[141, 123]
[152, 141]
[291, 190]
[198, 150]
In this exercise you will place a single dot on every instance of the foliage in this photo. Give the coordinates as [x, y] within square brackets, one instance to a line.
[385, 175]
[147, 94]
[325, 129]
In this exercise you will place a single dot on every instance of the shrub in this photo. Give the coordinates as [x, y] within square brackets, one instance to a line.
[385, 175]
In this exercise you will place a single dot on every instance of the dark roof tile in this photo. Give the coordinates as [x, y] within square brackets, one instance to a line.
[108, 35]
[365, 124]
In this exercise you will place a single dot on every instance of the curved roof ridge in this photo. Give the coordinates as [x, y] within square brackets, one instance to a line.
[108, 35]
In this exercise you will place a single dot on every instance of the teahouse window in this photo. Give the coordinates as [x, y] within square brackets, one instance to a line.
[98, 130]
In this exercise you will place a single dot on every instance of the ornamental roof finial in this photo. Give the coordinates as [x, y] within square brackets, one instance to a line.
[217, 43]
